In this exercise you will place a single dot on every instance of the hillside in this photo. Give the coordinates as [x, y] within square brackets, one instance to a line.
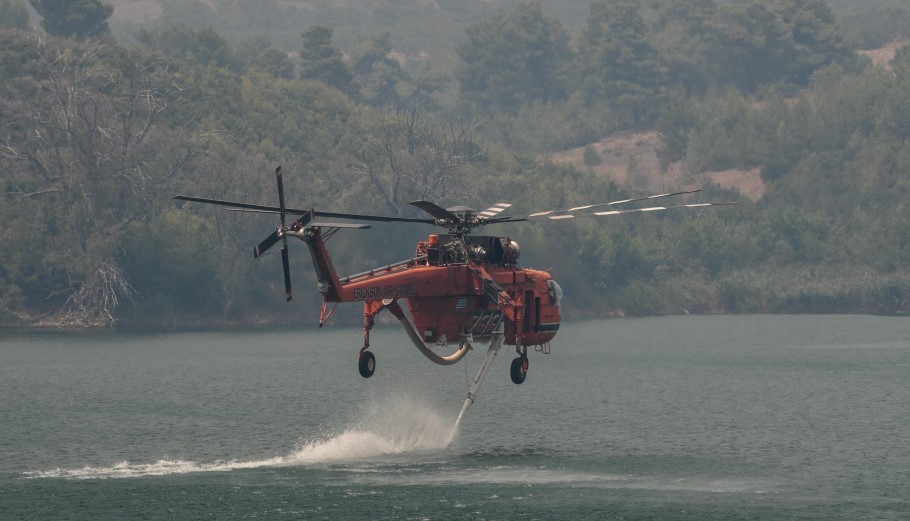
[630, 159]
[97, 137]
[418, 28]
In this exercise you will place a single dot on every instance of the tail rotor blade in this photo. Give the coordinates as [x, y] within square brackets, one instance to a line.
[285, 263]
[280, 194]
[267, 243]
[287, 272]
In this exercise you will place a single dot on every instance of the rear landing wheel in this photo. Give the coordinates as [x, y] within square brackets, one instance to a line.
[367, 364]
[519, 369]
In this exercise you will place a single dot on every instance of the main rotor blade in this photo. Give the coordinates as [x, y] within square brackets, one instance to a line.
[612, 203]
[494, 210]
[639, 210]
[287, 271]
[435, 210]
[365, 217]
[232, 205]
[561, 217]
[247, 210]
[267, 243]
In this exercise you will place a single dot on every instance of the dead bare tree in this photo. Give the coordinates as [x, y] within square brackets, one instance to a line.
[93, 301]
[411, 158]
[89, 152]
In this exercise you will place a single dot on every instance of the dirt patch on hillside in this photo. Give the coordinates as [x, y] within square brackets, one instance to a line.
[747, 182]
[630, 159]
[624, 157]
[882, 57]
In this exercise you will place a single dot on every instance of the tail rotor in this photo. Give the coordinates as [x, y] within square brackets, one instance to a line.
[279, 234]
[284, 237]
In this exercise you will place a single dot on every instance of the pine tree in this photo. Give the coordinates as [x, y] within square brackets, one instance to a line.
[618, 62]
[14, 14]
[322, 61]
[514, 59]
[79, 18]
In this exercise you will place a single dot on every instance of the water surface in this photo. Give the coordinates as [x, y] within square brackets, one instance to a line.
[715, 417]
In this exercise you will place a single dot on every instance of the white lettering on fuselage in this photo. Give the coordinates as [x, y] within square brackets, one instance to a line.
[384, 292]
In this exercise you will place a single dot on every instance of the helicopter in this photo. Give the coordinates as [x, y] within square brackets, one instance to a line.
[459, 288]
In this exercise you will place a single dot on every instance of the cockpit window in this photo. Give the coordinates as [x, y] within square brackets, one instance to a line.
[554, 293]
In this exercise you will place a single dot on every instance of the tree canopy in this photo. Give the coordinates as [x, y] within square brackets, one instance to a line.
[13, 14]
[618, 62]
[79, 18]
[321, 61]
[515, 59]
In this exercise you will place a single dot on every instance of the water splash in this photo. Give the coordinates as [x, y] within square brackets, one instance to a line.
[388, 426]
[383, 427]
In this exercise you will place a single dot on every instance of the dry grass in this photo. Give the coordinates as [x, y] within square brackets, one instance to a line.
[882, 57]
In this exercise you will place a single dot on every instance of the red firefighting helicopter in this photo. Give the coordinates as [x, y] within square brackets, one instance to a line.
[459, 288]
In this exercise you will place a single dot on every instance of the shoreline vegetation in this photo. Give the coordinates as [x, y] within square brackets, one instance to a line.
[870, 294]
[798, 111]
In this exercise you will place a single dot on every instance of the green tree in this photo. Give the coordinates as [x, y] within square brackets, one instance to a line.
[322, 61]
[176, 238]
[511, 60]
[876, 27]
[83, 157]
[788, 140]
[679, 28]
[901, 58]
[276, 62]
[426, 87]
[817, 41]
[203, 46]
[248, 50]
[618, 62]
[749, 45]
[753, 43]
[676, 121]
[80, 18]
[13, 14]
[377, 73]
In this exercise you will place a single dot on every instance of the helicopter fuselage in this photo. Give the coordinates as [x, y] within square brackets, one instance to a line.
[448, 301]
[454, 286]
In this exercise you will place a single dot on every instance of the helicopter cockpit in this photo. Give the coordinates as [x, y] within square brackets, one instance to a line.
[554, 293]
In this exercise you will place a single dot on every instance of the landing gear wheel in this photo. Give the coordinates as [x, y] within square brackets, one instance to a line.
[367, 364]
[519, 369]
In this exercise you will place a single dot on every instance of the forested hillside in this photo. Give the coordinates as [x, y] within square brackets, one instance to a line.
[108, 111]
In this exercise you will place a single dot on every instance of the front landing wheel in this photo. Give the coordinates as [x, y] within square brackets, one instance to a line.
[519, 369]
[367, 364]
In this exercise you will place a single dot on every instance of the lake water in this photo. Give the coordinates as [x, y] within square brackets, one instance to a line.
[696, 417]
